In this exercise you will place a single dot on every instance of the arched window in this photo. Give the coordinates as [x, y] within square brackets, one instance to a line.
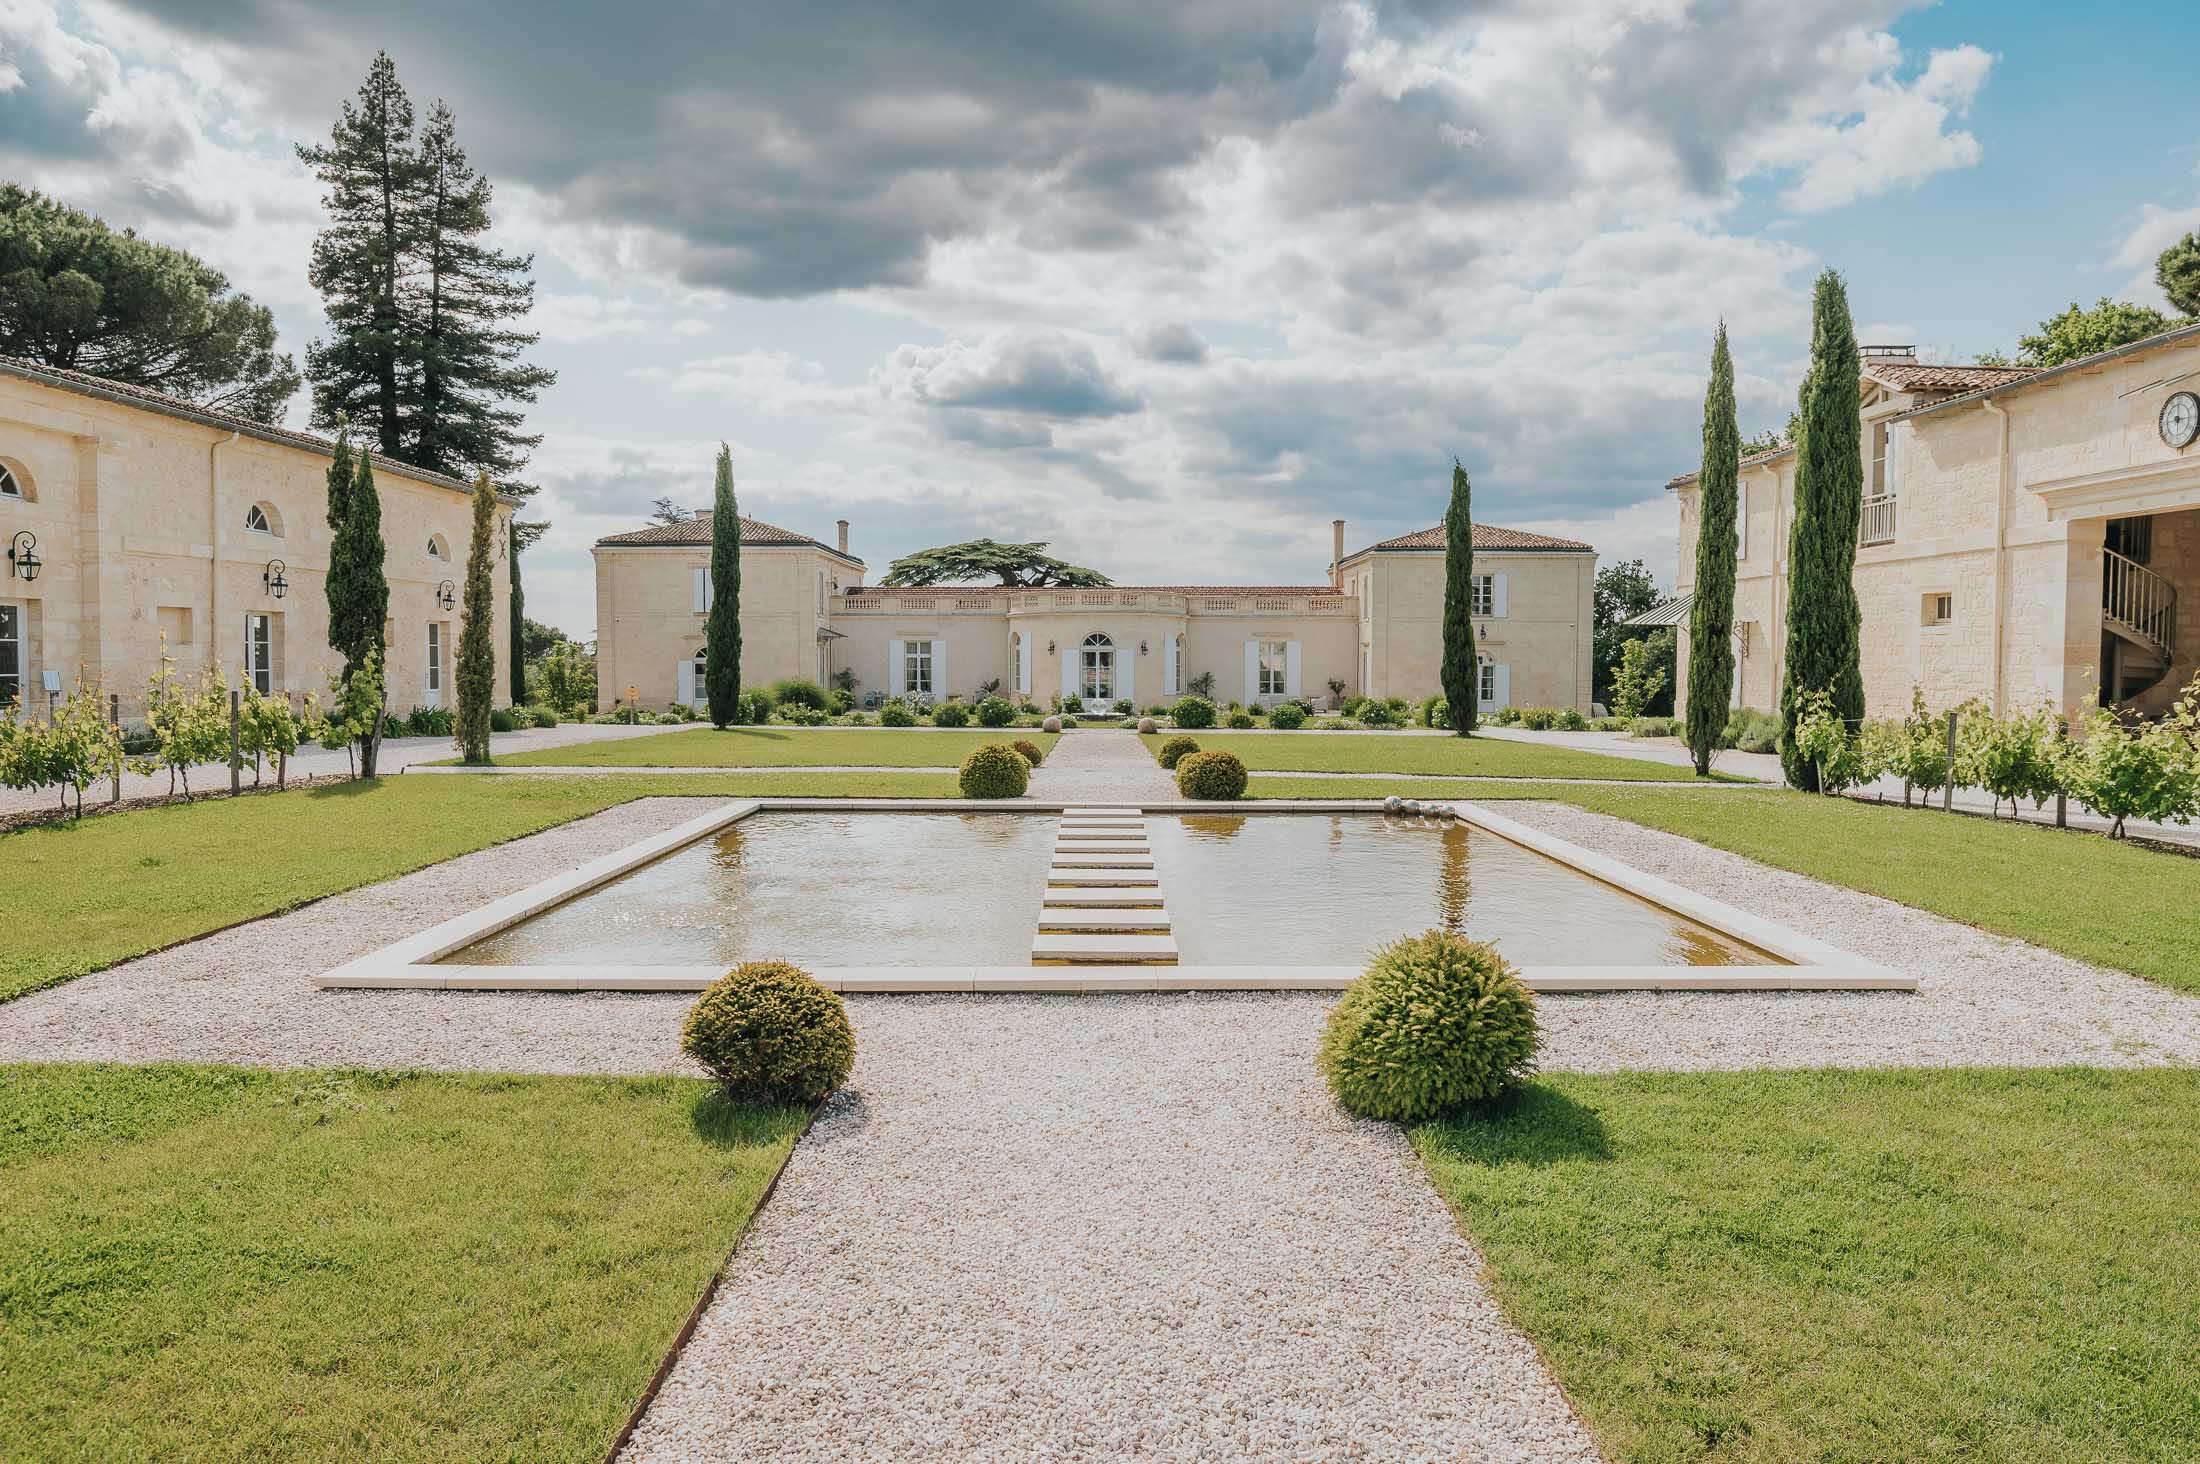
[1096, 679]
[437, 549]
[261, 518]
[10, 485]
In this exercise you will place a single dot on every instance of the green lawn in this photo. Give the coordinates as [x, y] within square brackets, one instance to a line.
[789, 747]
[208, 1263]
[1850, 1266]
[1488, 757]
[84, 896]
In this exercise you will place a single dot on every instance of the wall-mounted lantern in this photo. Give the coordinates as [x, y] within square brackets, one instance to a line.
[446, 595]
[272, 578]
[1050, 648]
[1141, 648]
[23, 560]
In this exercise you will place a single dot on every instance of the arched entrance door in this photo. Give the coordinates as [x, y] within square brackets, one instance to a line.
[1096, 669]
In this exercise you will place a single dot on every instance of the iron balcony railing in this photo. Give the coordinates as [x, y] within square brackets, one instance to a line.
[2139, 601]
[1877, 526]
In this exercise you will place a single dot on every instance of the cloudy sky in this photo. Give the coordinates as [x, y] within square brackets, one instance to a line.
[1170, 284]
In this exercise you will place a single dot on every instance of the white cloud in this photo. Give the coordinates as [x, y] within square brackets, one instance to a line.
[1883, 133]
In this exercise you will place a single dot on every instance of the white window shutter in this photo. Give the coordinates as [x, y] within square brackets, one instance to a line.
[1894, 459]
[702, 591]
[1072, 663]
[1023, 665]
[1504, 688]
[1126, 662]
[1497, 596]
[684, 676]
[1252, 672]
[1171, 673]
[1291, 668]
[939, 668]
[896, 666]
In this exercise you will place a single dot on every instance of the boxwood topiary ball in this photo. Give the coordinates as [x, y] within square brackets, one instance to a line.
[950, 714]
[995, 770]
[1176, 749]
[769, 1032]
[1032, 752]
[1193, 713]
[1436, 1022]
[1213, 776]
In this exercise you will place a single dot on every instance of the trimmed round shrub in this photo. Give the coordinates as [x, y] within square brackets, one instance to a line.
[1073, 703]
[768, 1031]
[1241, 720]
[1569, 719]
[995, 770]
[1375, 714]
[1287, 716]
[544, 716]
[1031, 751]
[1436, 1022]
[896, 713]
[1051, 724]
[755, 705]
[1193, 713]
[503, 719]
[843, 702]
[1176, 749]
[996, 712]
[796, 692]
[1066, 720]
[1215, 776]
[1436, 712]
[950, 714]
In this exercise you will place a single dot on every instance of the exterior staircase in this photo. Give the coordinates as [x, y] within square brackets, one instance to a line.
[2139, 625]
[1103, 900]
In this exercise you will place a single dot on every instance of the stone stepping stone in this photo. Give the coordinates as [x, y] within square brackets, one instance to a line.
[1068, 834]
[1103, 846]
[1101, 922]
[1103, 813]
[1102, 879]
[1091, 897]
[1106, 949]
[1103, 861]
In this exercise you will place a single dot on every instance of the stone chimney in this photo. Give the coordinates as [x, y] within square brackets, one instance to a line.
[1336, 554]
[842, 525]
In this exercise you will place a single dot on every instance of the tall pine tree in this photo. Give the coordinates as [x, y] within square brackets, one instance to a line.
[363, 259]
[358, 593]
[469, 357]
[1711, 616]
[518, 648]
[722, 663]
[1824, 624]
[1461, 675]
[477, 647]
[422, 309]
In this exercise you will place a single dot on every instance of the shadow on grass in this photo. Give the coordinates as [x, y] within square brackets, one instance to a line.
[726, 1122]
[1533, 1125]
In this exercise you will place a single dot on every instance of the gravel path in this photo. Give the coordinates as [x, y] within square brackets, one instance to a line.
[1097, 1230]
[1101, 765]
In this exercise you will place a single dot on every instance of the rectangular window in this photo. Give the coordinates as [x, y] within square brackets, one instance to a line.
[259, 653]
[1275, 675]
[1940, 609]
[435, 658]
[916, 662]
[1485, 595]
[1486, 682]
[11, 654]
[1878, 483]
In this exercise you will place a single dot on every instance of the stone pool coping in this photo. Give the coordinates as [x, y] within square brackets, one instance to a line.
[411, 963]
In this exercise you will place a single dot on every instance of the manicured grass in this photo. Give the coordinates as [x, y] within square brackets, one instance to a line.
[2130, 909]
[788, 747]
[1317, 752]
[1409, 785]
[1843, 1266]
[86, 895]
[216, 1263]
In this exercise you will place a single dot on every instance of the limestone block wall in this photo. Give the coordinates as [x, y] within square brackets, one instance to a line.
[649, 619]
[1545, 639]
[141, 520]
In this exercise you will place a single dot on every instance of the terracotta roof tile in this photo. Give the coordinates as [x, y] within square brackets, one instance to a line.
[1097, 589]
[1754, 460]
[1922, 376]
[695, 531]
[1486, 536]
[174, 406]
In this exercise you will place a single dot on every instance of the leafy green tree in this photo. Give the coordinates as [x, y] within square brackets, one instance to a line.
[1622, 591]
[2177, 271]
[2080, 332]
[77, 295]
[357, 695]
[477, 647]
[1460, 673]
[568, 678]
[1644, 667]
[1824, 622]
[358, 592]
[665, 511]
[1011, 564]
[1711, 615]
[722, 665]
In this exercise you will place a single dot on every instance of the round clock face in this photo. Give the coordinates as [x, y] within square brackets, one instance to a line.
[2181, 419]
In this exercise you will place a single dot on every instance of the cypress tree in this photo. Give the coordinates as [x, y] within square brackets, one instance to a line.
[339, 480]
[1824, 622]
[477, 651]
[358, 595]
[518, 648]
[1461, 676]
[722, 664]
[1711, 616]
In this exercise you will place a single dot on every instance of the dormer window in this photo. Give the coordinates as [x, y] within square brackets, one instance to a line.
[261, 519]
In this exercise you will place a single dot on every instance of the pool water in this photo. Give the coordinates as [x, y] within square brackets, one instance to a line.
[941, 889]
[1326, 889]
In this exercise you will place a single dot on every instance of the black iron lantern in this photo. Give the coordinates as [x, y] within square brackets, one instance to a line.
[446, 594]
[272, 577]
[23, 557]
